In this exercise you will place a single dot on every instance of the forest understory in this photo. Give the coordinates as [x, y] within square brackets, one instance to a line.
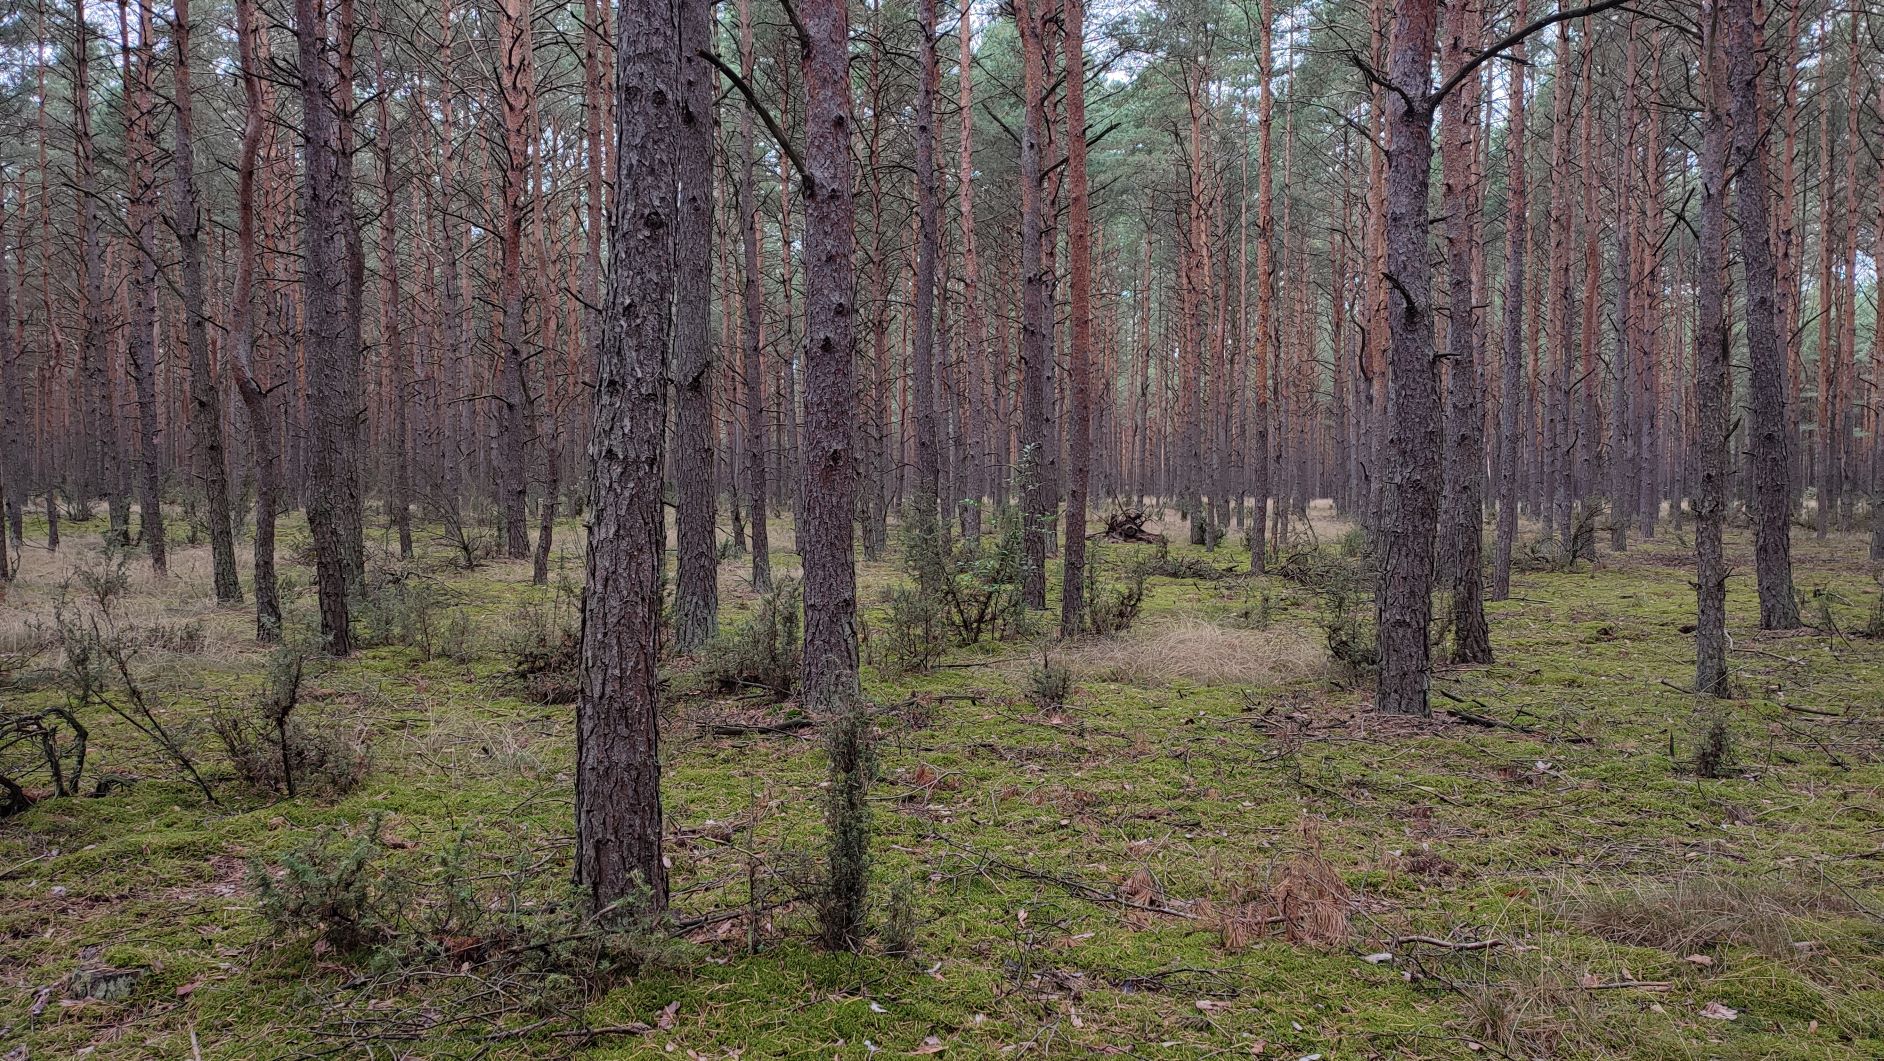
[1191, 837]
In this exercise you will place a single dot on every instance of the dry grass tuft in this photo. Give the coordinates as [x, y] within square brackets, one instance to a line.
[1305, 898]
[1190, 649]
[1699, 912]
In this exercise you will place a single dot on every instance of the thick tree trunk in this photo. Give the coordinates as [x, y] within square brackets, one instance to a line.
[330, 359]
[1771, 493]
[1409, 509]
[830, 474]
[831, 691]
[618, 770]
[696, 587]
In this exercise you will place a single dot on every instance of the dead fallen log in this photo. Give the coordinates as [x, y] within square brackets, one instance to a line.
[1128, 525]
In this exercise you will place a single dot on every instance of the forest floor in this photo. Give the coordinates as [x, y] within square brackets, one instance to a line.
[1210, 848]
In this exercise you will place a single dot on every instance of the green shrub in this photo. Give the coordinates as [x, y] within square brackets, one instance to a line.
[761, 654]
[272, 747]
[1049, 686]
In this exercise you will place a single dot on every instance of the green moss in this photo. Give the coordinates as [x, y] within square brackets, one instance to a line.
[994, 811]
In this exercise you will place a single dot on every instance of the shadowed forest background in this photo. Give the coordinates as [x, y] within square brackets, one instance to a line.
[1290, 528]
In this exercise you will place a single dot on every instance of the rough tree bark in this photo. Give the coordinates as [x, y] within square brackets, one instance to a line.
[139, 99]
[753, 322]
[1713, 373]
[1465, 420]
[205, 403]
[257, 399]
[329, 356]
[696, 586]
[830, 474]
[1517, 247]
[928, 221]
[1036, 499]
[1079, 352]
[1409, 509]
[1771, 492]
[516, 84]
[618, 770]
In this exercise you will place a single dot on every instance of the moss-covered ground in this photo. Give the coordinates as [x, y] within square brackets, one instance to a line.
[1162, 868]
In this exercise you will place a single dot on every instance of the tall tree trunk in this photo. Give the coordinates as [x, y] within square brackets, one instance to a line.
[330, 358]
[831, 690]
[1036, 345]
[392, 337]
[1079, 353]
[1465, 414]
[1517, 249]
[977, 422]
[696, 587]
[1266, 331]
[262, 407]
[101, 447]
[1713, 371]
[205, 403]
[753, 323]
[618, 770]
[928, 241]
[517, 85]
[1771, 492]
[1409, 509]
[139, 103]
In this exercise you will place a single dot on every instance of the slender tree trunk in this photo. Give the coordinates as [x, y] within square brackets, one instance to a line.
[258, 399]
[1517, 249]
[928, 241]
[618, 770]
[1465, 414]
[696, 587]
[979, 428]
[1079, 354]
[100, 431]
[758, 430]
[1036, 348]
[392, 337]
[1771, 492]
[1713, 371]
[517, 84]
[206, 404]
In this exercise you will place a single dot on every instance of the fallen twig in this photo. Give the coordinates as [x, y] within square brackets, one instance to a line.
[1448, 944]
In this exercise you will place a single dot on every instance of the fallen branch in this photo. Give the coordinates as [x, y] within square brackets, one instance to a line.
[743, 729]
[1448, 944]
